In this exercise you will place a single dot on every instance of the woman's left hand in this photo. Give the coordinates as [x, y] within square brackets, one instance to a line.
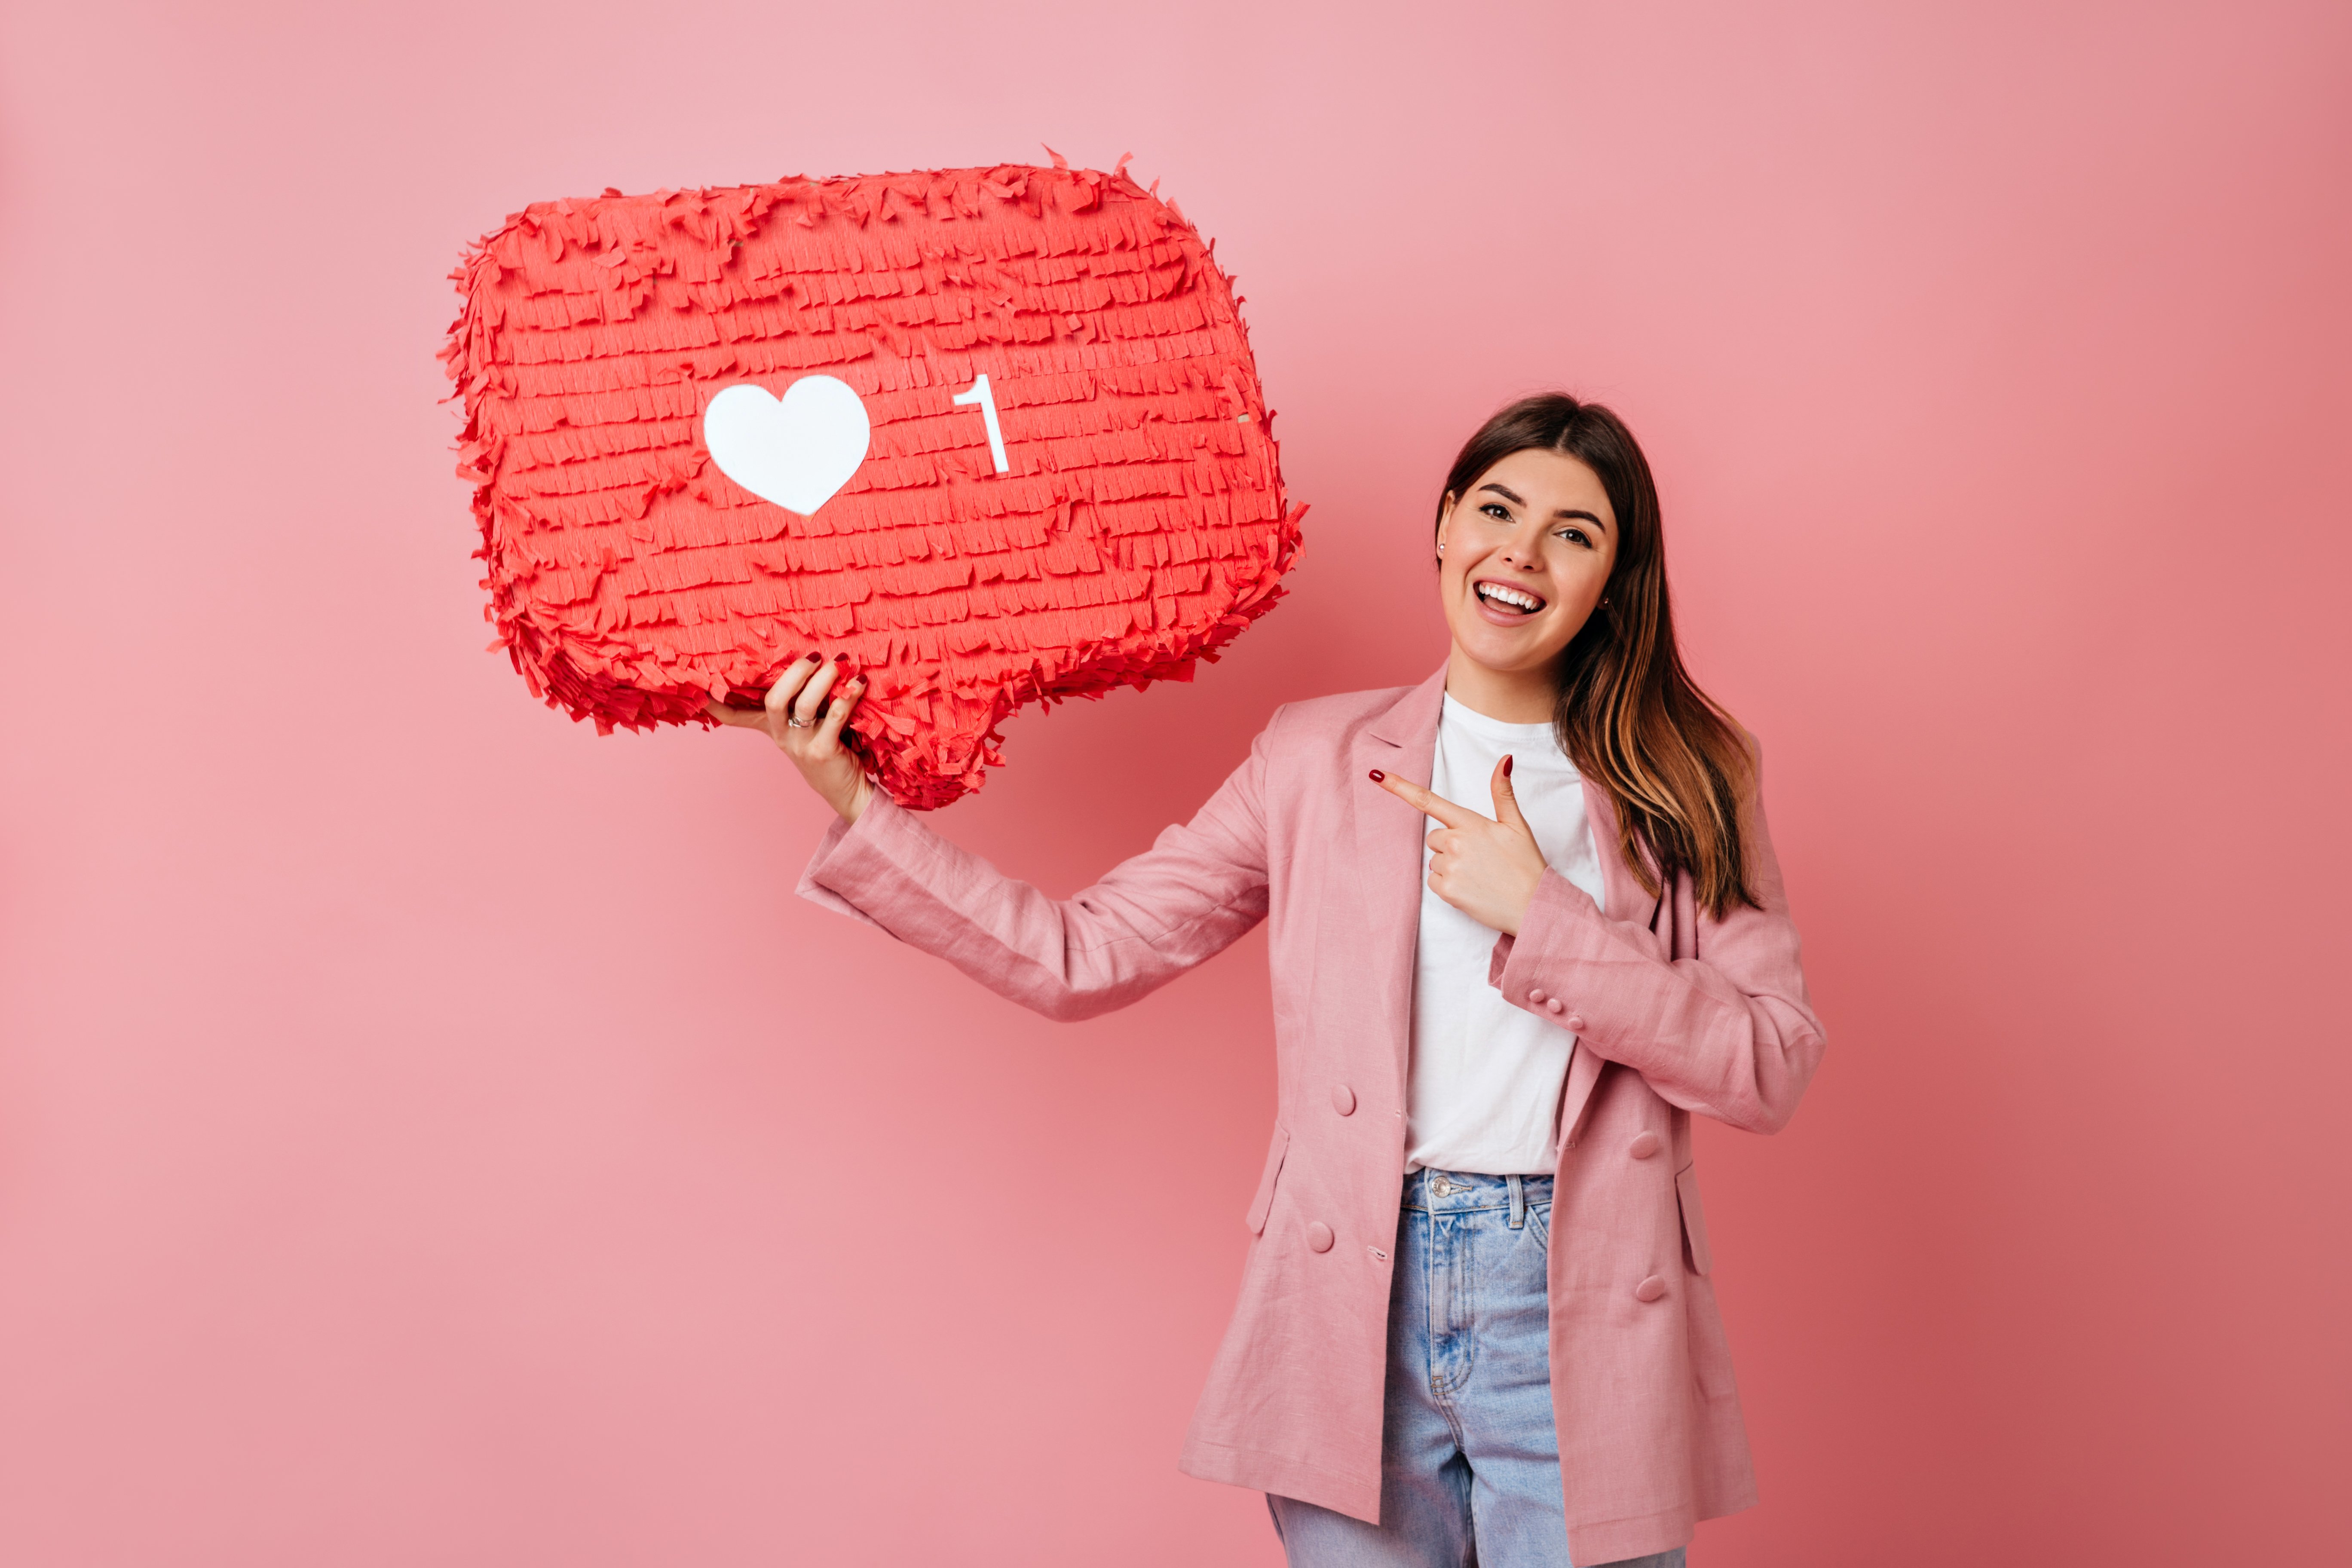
[1485, 869]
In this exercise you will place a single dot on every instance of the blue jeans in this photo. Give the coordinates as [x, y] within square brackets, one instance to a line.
[1469, 1458]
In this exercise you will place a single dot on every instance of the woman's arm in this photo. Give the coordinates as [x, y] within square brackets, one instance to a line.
[1199, 888]
[1729, 1033]
[1186, 899]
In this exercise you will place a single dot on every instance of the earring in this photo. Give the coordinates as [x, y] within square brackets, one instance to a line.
[1441, 547]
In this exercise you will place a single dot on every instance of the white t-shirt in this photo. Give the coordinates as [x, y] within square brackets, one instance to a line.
[1486, 1076]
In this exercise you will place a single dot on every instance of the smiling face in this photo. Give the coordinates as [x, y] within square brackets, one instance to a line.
[1526, 557]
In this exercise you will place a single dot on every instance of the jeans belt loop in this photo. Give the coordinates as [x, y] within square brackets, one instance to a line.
[1519, 1202]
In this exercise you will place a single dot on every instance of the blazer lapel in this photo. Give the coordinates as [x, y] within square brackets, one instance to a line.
[1623, 898]
[1388, 857]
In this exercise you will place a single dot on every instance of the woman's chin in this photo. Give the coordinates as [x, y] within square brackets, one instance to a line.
[1505, 651]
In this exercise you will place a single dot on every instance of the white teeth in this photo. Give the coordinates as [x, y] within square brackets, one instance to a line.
[1511, 596]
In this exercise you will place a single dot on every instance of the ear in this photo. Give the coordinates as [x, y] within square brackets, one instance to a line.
[1444, 516]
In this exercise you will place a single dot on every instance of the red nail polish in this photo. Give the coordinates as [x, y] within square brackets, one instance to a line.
[1506, 764]
[816, 657]
[840, 658]
[1378, 775]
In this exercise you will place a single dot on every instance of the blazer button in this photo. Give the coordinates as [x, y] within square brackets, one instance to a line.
[1343, 1100]
[1534, 995]
[1319, 1238]
[1643, 1145]
[1573, 1023]
[1555, 1006]
[1650, 1289]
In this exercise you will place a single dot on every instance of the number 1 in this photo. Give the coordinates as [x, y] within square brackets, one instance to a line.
[978, 393]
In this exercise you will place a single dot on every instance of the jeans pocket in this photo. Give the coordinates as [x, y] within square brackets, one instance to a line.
[1540, 1225]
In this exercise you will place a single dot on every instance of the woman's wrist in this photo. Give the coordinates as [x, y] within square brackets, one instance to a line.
[861, 796]
[1527, 899]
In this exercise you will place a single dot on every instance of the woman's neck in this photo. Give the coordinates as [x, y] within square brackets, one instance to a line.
[1506, 696]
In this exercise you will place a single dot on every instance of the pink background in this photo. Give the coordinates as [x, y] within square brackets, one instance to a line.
[431, 1133]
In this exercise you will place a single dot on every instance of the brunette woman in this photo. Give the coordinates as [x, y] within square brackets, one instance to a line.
[1525, 920]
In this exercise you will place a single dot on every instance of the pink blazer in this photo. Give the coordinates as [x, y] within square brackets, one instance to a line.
[1676, 1013]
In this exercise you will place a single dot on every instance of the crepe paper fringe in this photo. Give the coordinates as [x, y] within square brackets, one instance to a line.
[1143, 527]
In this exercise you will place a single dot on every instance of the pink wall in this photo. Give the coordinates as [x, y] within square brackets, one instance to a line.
[431, 1133]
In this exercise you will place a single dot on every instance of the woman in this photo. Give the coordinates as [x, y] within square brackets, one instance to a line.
[1476, 1325]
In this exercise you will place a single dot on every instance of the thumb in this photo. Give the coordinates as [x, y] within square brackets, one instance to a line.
[1507, 800]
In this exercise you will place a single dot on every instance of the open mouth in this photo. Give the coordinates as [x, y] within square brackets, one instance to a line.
[1503, 597]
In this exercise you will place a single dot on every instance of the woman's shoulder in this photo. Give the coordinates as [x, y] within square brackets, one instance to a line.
[1318, 738]
[1326, 719]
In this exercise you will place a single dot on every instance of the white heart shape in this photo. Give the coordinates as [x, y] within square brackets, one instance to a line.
[796, 451]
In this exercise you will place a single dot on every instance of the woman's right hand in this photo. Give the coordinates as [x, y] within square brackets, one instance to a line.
[807, 728]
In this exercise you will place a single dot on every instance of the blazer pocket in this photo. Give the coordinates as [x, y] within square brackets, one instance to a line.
[1695, 1248]
[1255, 1218]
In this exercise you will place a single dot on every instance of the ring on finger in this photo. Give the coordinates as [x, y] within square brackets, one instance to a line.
[792, 723]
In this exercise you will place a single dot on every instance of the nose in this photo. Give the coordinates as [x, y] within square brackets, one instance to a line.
[1526, 552]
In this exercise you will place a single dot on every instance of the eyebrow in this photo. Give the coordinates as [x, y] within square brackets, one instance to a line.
[1564, 511]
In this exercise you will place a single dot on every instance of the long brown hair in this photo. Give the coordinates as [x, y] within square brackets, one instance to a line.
[1629, 717]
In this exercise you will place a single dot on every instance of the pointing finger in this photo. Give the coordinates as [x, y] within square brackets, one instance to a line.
[1436, 805]
[1507, 799]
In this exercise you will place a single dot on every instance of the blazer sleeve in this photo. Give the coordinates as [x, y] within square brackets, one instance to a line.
[1196, 890]
[1726, 1030]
